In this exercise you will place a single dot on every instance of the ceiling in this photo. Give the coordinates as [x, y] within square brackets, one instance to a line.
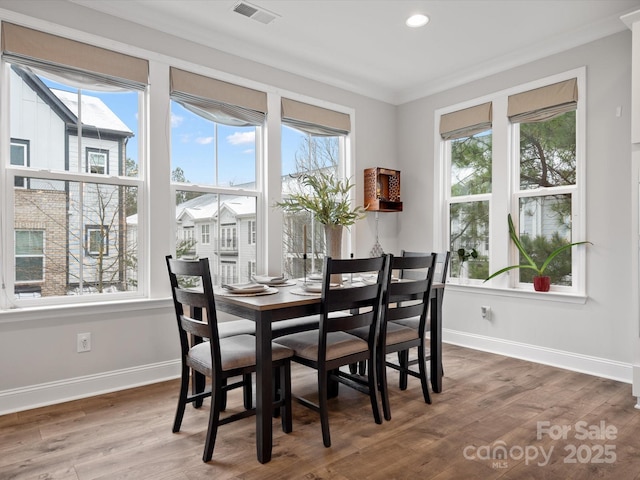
[365, 47]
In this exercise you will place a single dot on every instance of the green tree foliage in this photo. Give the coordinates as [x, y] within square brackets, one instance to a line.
[548, 152]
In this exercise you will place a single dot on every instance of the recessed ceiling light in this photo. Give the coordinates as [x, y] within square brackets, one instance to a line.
[417, 20]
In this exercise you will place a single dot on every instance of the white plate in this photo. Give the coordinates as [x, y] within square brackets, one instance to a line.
[245, 288]
[317, 287]
[269, 280]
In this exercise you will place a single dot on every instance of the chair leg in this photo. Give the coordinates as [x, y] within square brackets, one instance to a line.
[333, 386]
[403, 361]
[323, 406]
[247, 391]
[217, 397]
[384, 391]
[198, 384]
[285, 394]
[362, 368]
[424, 379]
[223, 400]
[182, 399]
[374, 392]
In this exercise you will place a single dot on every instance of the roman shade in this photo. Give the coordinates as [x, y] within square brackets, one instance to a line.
[219, 101]
[314, 120]
[466, 122]
[71, 59]
[543, 103]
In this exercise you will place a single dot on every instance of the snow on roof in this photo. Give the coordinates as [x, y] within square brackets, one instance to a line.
[94, 111]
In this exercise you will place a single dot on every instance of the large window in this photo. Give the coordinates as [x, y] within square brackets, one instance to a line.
[73, 119]
[532, 174]
[216, 147]
[313, 141]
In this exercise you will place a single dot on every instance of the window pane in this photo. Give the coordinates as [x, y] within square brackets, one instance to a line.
[29, 269]
[303, 152]
[228, 218]
[469, 226]
[29, 242]
[471, 165]
[75, 264]
[545, 224]
[210, 153]
[548, 152]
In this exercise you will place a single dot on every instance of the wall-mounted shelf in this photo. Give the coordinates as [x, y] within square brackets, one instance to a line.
[382, 190]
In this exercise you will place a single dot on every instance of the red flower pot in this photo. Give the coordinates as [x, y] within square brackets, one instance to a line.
[541, 284]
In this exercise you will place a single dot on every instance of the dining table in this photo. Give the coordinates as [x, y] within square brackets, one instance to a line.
[264, 310]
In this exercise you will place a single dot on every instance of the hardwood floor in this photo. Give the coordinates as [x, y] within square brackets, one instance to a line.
[488, 402]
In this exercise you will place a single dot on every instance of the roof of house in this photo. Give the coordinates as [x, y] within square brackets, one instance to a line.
[94, 111]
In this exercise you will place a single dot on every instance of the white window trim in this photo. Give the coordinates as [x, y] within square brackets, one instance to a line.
[501, 251]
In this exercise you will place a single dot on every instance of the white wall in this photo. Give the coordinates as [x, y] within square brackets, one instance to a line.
[136, 342]
[594, 336]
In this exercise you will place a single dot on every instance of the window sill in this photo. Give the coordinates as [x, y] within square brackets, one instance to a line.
[561, 297]
[48, 312]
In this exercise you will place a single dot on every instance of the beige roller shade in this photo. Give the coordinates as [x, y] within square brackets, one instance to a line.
[33, 47]
[467, 122]
[544, 103]
[223, 92]
[313, 119]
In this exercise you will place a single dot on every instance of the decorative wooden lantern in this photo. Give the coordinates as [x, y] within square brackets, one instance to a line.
[382, 190]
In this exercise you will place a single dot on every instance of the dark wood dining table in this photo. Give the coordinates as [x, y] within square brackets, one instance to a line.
[284, 305]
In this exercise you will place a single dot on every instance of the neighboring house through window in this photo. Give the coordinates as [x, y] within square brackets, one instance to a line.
[20, 157]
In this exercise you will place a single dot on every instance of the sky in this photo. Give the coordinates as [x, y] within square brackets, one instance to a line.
[193, 145]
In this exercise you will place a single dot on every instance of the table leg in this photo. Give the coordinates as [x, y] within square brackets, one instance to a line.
[436, 340]
[263, 389]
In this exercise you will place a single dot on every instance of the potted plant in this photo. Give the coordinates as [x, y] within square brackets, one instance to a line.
[541, 282]
[463, 257]
[327, 197]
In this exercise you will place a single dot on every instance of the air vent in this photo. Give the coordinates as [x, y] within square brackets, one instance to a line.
[254, 12]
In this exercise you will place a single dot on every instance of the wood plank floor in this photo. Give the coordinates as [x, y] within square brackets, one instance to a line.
[488, 402]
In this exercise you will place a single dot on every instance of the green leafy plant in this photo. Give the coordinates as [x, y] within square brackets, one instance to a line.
[531, 264]
[464, 255]
[326, 197]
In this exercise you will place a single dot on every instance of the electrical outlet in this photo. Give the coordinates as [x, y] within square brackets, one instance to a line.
[84, 342]
[485, 310]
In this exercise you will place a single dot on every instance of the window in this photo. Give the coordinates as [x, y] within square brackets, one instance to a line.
[205, 234]
[97, 161]
[320, 137]
[29, 256]
[71, 117]
[532, 174]
[97, 240]
[216, 147]
[20, 157]
[252, 232]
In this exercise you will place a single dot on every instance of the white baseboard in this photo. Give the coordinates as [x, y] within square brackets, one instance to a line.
[600, 367]
[50, 393]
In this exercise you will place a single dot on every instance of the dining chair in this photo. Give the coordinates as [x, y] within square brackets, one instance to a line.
[205, 353]
[404, 299]
[330, 346]
[440, 275]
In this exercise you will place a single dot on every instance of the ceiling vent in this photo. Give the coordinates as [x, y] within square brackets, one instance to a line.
[254, 12]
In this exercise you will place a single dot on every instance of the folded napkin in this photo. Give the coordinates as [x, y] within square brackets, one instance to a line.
[269, 280]
[244, 287]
